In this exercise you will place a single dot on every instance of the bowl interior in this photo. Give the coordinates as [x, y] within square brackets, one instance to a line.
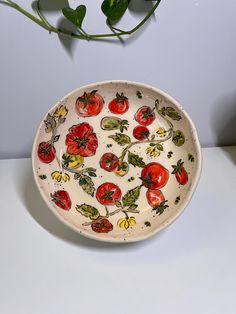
[116, 161]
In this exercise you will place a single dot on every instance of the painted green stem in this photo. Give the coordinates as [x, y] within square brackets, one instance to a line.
[80, 172]
[112, 214]
[144, 142]
[102, 217]
[157, 104]
[170, 134]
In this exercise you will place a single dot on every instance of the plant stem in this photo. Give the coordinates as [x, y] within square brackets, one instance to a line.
[26, 13]
[133, 29]
[46, 25]
[40, 14]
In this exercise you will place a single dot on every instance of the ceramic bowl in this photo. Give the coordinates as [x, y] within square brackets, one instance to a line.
[117, 161]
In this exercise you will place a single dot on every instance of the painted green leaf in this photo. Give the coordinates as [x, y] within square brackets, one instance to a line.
[114, 9]
[92, 174]
[87, 184]
[170, 112]
[120, 139]
[159, 147]
[88, 211]
[133, 208]
[131, 196]
[50, 123]
[135, 160]
[178, 138]
[75, 16]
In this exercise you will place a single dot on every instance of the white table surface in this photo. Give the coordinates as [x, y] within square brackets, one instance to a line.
[188, 268]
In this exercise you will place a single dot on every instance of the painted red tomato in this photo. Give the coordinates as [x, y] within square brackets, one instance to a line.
[46, 152]
[141, 133]
[154, 176]
[108, 193]
[145, 116]
[180, 173]
[62, 199]
[102, 226]
[120, 104]
[109, 162]
[89, 104]
[81, 140]
[154, 197]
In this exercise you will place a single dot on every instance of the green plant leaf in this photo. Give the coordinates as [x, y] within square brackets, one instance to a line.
[120, 139]
[88, 211]
[135, 160]
[87, 184]
[131, 196]
[114, 9]
[178, 138]
[75, 16]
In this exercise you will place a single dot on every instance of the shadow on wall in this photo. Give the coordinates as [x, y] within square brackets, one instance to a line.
[140, 7]
[48, 6]
[67, 42]
[224, 122]
[52, 5]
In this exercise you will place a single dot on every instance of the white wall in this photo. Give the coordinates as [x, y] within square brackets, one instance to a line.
[188, 50]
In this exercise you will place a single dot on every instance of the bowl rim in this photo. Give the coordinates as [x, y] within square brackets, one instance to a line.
[165, 224]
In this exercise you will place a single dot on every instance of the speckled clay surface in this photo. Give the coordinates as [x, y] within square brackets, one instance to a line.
[116, 161]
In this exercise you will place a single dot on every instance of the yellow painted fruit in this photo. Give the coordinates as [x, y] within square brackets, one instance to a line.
[122, 168]
[73, 161]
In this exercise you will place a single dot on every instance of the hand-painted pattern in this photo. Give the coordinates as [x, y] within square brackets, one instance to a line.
[81, 142]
